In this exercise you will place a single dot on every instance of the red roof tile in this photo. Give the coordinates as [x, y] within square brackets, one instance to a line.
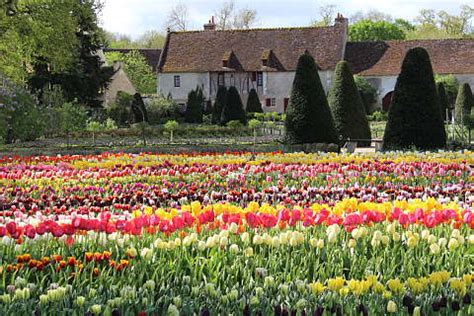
[450, 56]
[203, 51]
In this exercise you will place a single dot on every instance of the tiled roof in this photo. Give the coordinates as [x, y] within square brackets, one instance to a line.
[203, 51]
[152, 56]
[450, 56]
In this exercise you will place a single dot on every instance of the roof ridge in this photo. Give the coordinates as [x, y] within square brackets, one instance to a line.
[413, 40]
[289, 28]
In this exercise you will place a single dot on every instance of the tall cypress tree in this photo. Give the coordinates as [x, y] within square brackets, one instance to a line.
[443, 100]
[233, 110]
[253, 103]
[415, 117]
[308, 117]
[347, 106]
[464, 104]
[194, 106]
[221, 100]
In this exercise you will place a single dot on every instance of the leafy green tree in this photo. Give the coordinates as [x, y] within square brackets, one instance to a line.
[443, 101]
[137, 69]
[94, 127]
[367, 30]
[253, 103]
[415, 117]
[72, 118]
[347, 107]
[308, 117]
[194, 111]
[233, 110]
[171, 127]
[219, 103]
[464, 104]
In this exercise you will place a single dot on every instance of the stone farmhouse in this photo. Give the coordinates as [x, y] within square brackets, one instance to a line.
[266, 60]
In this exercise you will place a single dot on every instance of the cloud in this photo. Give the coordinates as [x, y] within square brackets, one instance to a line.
[134, 17]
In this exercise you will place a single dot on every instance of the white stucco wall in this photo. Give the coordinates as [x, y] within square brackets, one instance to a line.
[466, 79]
[189, 81]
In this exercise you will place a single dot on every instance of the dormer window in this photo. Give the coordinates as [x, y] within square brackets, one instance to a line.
[265, 62]
[225, 63]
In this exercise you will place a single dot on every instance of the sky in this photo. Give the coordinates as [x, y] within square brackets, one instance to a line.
[134, 17]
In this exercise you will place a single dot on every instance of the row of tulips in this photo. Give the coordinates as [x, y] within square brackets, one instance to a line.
[233, 234]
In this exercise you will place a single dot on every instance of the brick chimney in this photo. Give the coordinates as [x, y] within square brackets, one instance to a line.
[210, 26]
[341, 20]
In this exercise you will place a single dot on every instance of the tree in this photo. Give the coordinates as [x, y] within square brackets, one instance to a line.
[371, 15]
[178, 18]
[151, 39]
[415, 118]
[451, 87]
[326, 15]
[72, 118]
[137, 69]
[94, 127]
[233, 109]
[367, 30]
[194, 107]
[443, 100]
[219, 103]
[347, 107]
[138, 109]
[228, 18]
[170, 127]
[308, 117]
[367, 92]
[253, 103]
[464, 104]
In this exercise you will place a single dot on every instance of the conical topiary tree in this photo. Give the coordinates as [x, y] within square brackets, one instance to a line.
[347, 107]
[443, 101]
[414, 119]
[253, 103]
[464, 104]
[233, 109]
[221, 100]
[193, 112]
[308, 117]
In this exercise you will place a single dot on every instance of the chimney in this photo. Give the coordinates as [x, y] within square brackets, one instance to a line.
[341, 20]
[211, 26]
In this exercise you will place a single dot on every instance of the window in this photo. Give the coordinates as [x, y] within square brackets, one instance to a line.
[286, 101]
[221, 79]
[270, 102]
[225, 63]
[259, 79]
[254, 76]
[177, 81]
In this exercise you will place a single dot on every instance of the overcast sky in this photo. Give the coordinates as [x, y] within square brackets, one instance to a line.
[134, 17]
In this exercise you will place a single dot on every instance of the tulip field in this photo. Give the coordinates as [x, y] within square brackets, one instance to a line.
[237, 234]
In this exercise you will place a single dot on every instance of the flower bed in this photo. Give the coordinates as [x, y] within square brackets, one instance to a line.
[237, 233]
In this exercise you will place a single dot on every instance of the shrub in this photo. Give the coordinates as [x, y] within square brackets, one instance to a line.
[308, 117]
[171, 127]
[367, 93]
[121, 110]
[346, 104]
[253, 103]
[194, 113]
[139, 109]
[464, 104]
[161, 110]
[451, 87]
[221, 100]
[443, 100]
[73, 118]
[414, 120]
[233, 110]
[378, 116]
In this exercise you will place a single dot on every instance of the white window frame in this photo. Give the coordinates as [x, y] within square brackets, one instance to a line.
[177, 81]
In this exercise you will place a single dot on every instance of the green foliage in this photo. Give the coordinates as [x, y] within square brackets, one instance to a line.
[94, 126]
[464, 104]
[137, 69]
[162, 109]
[194, 113]
[235, 124]
[150, 39]
[451, 87]
[171, 126]
[72, 118]
[347, 107]
[367, 92]
[110, 124]
[254, 124]
[443, 100]
[366, 30]
[378, 116]
[221, 100]
[308, 117]
[253, 103]
[415, 118]
[233, 109]
[121, 110]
